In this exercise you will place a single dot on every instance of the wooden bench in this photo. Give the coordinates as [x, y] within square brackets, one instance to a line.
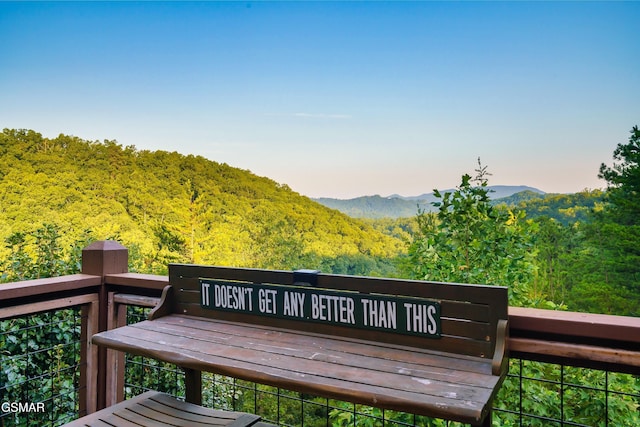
[154, 409]
[429, 349]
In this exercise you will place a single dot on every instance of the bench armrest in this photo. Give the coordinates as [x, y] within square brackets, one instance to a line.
[164, 307]
[500, 363]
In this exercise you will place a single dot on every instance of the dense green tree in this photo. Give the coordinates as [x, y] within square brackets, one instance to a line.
[610, 263]
[566, 209]
[401, 228]
[623, 182]
[38, 353]
[39, 253]
[620, 219]
[471, 241]
[557, 251]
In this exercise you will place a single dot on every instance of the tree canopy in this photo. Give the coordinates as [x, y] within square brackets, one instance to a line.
[469, 240]
[613, 237]
[623, 182]
[168, 207]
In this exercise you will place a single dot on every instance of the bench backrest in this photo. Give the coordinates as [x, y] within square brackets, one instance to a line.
[454, 318]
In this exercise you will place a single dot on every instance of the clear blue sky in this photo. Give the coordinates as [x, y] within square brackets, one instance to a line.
[336, 99]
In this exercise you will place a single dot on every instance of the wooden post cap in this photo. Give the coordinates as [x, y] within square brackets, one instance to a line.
[105, 257]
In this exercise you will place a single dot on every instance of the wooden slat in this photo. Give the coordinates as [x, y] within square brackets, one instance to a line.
[38, 307]
[466, 311]
[187, 275]
[112, 421]
[170, 402]
[402, 379]
[31, 288]
[180, 272]
[450, 341]
[244, 420]
[161, 410]
[137, 300]
[594, 327]
[453, 309]
[306, 345]
[467, 329]
[146, 281]
[568, 351]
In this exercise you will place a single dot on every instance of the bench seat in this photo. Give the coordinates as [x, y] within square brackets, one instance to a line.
[154, 409]
[408, 379]
[423, 348]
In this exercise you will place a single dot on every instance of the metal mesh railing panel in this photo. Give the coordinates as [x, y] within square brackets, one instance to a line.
[534, 394]
[40, 368]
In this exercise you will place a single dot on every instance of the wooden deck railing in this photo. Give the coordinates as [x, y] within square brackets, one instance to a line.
[105, 288]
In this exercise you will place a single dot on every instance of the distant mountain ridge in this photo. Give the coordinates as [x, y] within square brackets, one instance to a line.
[496, 192]
[396, 206]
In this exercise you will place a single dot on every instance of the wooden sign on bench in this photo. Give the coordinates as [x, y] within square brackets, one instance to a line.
[389, 313]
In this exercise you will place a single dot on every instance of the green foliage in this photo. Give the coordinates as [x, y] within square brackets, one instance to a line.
[623, 182]
[38, 253]
[566, 209]
[558, 247]
[609, 279]
[39, 354]
[359, 265]
[346, 415]
[471, 241]
[168, 207]
[400, 228]
[536, 392]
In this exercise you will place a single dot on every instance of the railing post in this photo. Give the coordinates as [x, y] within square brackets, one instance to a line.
[105, 257]
[115, 359]
[99, 259]
[87, 398]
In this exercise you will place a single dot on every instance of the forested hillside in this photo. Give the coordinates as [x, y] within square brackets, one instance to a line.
[576, 251]
[564, 208]
[170, 207]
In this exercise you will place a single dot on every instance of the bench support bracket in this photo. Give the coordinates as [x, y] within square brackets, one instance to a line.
[193, 386]
[500, 362]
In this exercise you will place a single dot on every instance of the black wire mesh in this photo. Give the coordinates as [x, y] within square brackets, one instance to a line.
[144, 374]
[40, 375]
[40, 354]
[544, 394]
[534, 394]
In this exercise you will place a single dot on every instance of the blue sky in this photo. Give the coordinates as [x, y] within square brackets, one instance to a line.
[336, 99]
